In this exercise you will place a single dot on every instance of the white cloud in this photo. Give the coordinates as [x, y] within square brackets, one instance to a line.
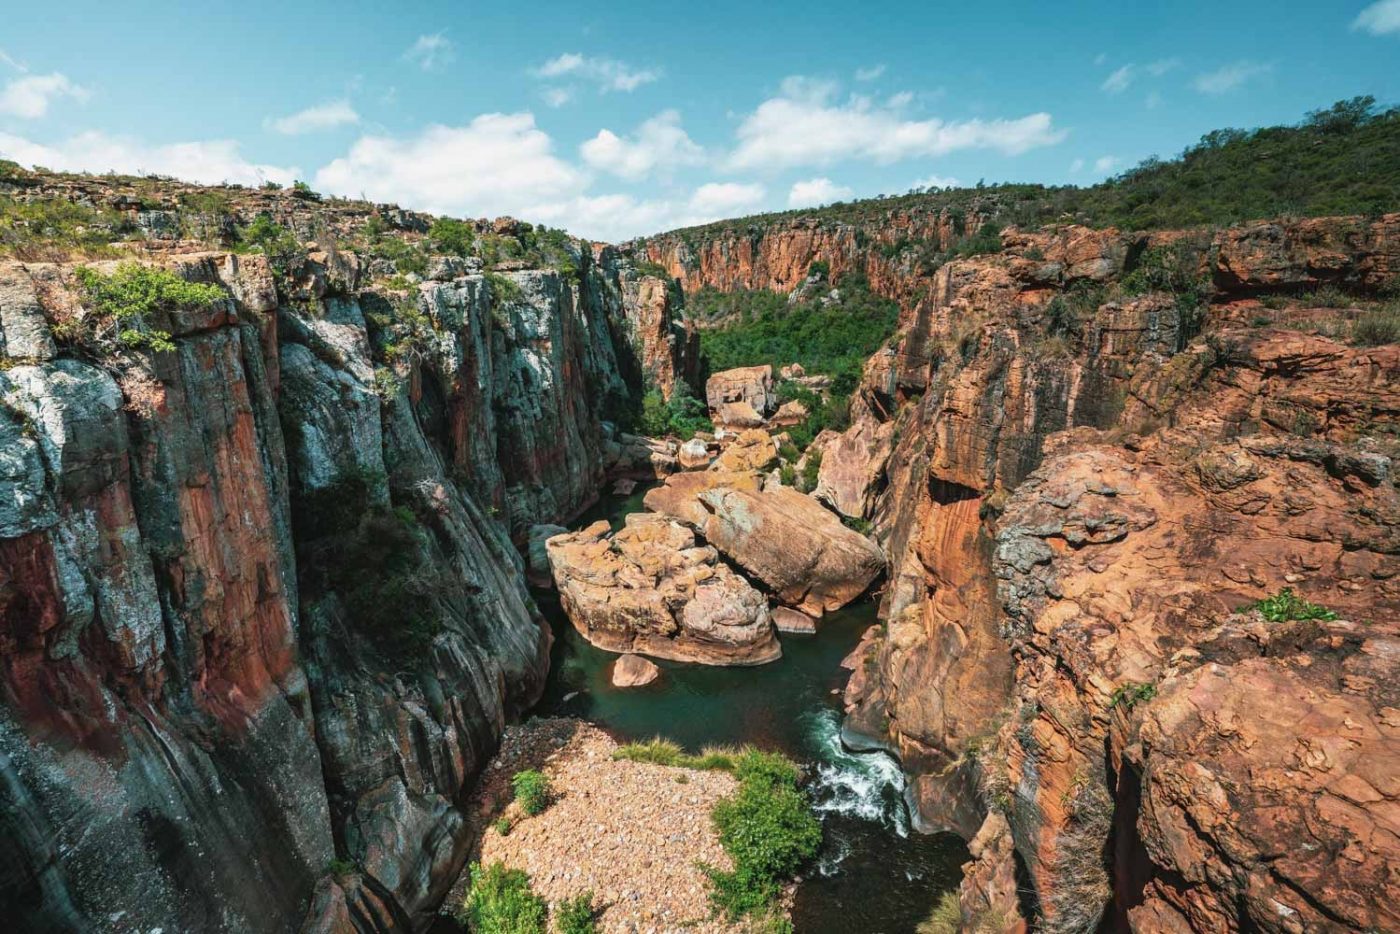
[1104, 164]
[1100, 58]
[320, 117]
[936, 181]
[206, 161]
[30, 96]
[1118, 82]
[1077, 166]
[804, 125]
[14, 63]
[557, 97]
[870, 74]
[722, 198]
[490, 166]
[1162, 66]
[816, 191]
[659, 144]
[608, 74]
[615, 217]
[1229, 77]
[1380, 19]
[431, 52]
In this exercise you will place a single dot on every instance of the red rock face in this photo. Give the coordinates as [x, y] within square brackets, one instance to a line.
[1002, 705]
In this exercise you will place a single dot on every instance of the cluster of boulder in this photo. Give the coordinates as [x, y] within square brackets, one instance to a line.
[726, 556]
[747, 397]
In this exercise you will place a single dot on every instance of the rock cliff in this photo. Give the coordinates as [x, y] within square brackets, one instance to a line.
[261, 614]
[1086, 455]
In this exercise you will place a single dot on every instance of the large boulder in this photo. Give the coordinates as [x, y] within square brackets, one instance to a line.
[738, 415]
[679, 496]
[652, 589]
[784, 539]
[752, 450]
[694, 455]
[750, 384]
[853, 464]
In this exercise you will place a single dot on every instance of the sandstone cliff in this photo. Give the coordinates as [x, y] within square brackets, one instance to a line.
[1205, 448]
[262, 617]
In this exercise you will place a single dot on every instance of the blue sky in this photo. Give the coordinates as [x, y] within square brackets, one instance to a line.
[620, 119]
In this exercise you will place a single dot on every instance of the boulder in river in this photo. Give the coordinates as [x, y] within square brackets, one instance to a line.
[633, 671]
[651, 588]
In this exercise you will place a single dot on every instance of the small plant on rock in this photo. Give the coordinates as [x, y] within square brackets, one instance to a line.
[1132, 693]
[503, 826]
[577, 915]
[125, 301]
[531, 790]
[500, 901]
[1286, 606]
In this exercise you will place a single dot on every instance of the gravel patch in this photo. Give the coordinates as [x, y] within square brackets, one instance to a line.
[630, 832]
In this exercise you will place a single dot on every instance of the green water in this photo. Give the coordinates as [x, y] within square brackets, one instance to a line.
[874, 873]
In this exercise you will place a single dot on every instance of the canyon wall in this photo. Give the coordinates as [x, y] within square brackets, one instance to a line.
[1086, 455]
[261, 613]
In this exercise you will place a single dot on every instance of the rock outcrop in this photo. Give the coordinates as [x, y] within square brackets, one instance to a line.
[746, 390]
[259, 602]
[651, 589]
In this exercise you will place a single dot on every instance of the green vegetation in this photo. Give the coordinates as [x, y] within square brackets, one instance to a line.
[1286, 606]
[769, 832]
[452, 236]
[379, 560]
[1131, 693]
[503, 826]
[302, 190]
[577, 915]
[532, 791]
[500, 901]
[50, 229]
[342, 869]
[124, 301]
[682, 415]
[1344, 159]
[1377, 327]
[504, 289]
[277, 243]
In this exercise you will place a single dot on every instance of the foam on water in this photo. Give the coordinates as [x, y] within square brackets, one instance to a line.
[867, 786]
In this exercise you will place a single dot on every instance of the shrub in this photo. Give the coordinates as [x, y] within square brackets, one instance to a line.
[531, 790]
[500, 901]
[341, 869]
[787, 475]
[1377, 327]
[125, 300]
[1286, 606]
[1132, 693]
[682, 415]
[504, 289]
[503, 826]
[279, 245]
[810, 471]
[946, 917]
[452, 236]
[577, 915]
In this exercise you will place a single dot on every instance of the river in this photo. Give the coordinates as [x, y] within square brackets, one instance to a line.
[874, 874]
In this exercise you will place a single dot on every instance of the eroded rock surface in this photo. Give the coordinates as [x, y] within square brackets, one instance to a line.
[651, 589]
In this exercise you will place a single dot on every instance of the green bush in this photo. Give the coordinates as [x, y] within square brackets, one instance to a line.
[531, 790]
[125, 300]
[1132, 693]
[683, 415]
[500, 901]
[1286, 606]
[503, 826]
[452, 236]
[277, 243]
[577, 915]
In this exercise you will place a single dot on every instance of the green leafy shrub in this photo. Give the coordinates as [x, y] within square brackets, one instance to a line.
[452, 236]
[51, 229]
[532, 790]
[125, 300]
[1132, 693]
[503, 826]
[504, 289]
[769, 832]
[500, 901]
[277, 243]
[577, 915]
[1286, 606]
[682, 415]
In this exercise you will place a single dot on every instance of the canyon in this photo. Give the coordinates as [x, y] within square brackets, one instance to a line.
[264, 607]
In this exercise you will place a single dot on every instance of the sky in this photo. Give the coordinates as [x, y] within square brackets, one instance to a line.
[620, 119]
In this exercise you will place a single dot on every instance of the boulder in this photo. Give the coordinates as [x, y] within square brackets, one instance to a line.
[633, 671]
[793, 621]
[751, 384]
[789, 413]
[651, 588]
[752, 450]
[679, 496]
[738, 415]
[853, 465]
[799, 550]
[694, 455]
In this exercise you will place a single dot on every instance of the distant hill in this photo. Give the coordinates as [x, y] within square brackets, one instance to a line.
[1344, 159]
